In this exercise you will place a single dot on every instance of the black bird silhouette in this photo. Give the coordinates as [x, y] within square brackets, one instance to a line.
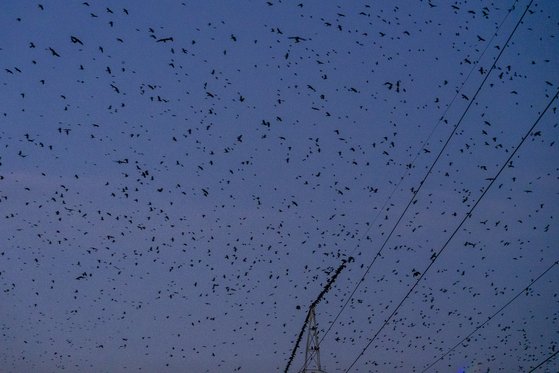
[75, 40]
[297, 39]
[165, 40]
[53, 52]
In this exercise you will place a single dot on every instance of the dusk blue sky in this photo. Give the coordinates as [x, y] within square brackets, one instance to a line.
[179, 180]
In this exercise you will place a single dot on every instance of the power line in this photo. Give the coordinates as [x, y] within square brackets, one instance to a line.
[416, 191]
[490, 318]
[545, 361]
[468, 214]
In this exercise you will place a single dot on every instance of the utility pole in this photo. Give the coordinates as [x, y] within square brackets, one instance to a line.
[312, 352]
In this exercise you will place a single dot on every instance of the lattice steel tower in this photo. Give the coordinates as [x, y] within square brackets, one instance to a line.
[312, 352]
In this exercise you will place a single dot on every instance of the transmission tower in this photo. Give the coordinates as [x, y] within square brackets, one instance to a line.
[312, 352]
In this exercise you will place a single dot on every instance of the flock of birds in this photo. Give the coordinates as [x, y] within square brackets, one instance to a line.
[180, 182]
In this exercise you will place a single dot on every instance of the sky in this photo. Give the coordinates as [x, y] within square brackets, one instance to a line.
[180, 180]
